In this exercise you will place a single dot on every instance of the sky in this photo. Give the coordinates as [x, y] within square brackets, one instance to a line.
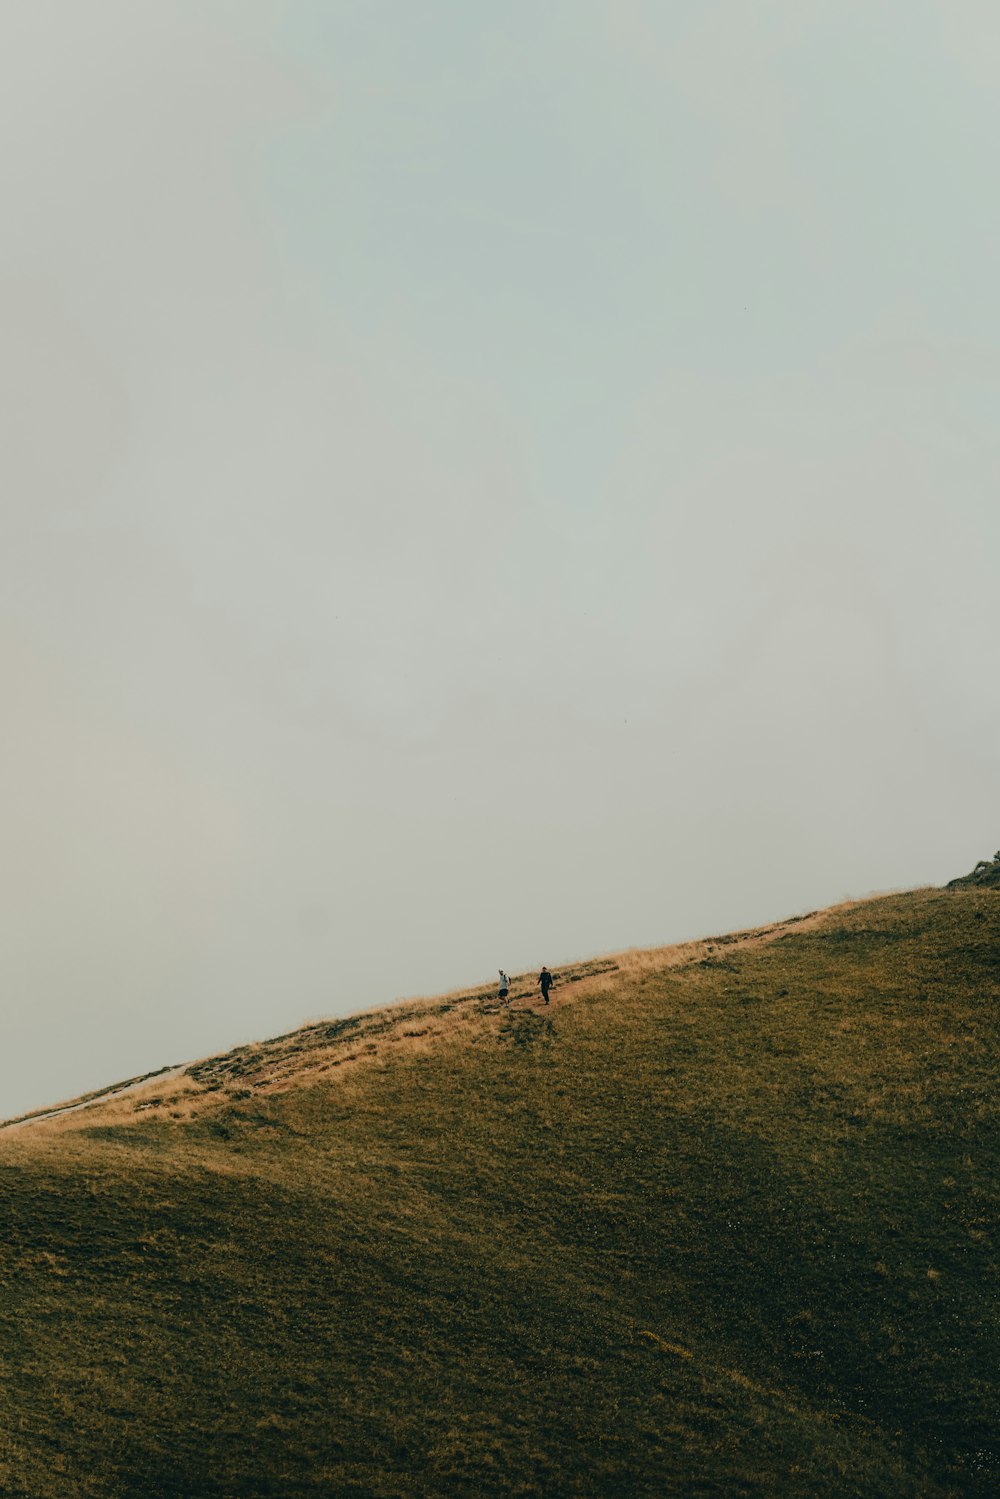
[483, 485]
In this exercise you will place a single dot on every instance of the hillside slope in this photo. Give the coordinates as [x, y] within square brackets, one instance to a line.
[719, 1221]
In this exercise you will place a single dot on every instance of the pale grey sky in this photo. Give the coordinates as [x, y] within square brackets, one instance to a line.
[483, 484]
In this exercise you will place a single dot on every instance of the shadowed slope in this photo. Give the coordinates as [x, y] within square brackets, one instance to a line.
[720, 1220]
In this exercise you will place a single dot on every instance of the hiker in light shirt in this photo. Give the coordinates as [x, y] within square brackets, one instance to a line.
[504, 993]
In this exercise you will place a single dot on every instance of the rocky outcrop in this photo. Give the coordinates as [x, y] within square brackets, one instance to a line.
[986, 873]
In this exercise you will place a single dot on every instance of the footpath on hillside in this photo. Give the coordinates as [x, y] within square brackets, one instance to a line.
[325, 1046]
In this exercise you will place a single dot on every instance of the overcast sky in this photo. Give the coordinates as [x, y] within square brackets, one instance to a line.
[483, 484]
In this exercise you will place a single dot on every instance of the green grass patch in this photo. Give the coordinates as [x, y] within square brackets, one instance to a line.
[724, 1226]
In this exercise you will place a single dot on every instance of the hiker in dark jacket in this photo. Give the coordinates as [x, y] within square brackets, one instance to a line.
[545, 983]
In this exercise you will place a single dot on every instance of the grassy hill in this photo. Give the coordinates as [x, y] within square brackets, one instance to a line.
[721, 1220]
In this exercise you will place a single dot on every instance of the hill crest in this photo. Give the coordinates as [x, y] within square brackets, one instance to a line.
[320, 1048]
[720, 1220]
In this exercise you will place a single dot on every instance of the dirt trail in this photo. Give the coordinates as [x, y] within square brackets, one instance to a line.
[758, 935]
[323, 1047]
[687, 954]
[73, 1108]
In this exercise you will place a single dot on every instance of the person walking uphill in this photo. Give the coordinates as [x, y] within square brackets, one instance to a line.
[504, 992]
[545, 983]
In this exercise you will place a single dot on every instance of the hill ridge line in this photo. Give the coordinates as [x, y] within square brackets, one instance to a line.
[236, 1067]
